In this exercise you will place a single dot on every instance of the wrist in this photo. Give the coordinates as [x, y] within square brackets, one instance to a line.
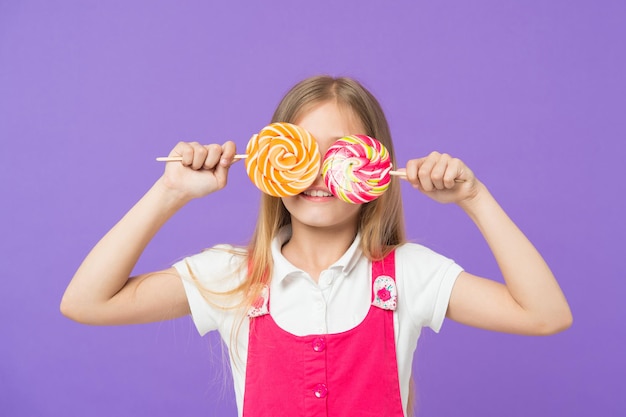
[168, 195]
[477, 200]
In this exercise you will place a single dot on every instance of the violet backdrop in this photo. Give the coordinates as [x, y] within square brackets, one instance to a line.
[531, 94]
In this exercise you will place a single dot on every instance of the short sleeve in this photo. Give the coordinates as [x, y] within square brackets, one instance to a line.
[206, 275]
[425, 279]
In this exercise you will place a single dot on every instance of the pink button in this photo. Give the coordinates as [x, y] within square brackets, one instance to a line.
[319, 344]
[320, 391]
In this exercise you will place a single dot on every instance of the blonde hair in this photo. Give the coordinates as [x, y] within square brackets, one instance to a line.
[381, 222]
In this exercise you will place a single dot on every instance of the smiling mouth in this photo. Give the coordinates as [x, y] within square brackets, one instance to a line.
[317, 193]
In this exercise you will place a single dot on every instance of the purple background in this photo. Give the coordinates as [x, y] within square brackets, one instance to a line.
[531, 94]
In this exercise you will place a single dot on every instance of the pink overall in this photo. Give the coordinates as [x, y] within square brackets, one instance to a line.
[347, 374]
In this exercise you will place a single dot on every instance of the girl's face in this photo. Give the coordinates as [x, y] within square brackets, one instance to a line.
[316, 206]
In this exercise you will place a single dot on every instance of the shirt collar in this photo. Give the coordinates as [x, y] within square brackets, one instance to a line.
[282, 267]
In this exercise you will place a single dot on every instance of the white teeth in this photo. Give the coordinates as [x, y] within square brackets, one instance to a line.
[317, 193]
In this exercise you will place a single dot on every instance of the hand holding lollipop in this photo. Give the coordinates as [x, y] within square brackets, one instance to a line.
[281, 160]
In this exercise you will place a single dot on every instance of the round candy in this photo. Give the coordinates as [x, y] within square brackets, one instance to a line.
[283, 159]
[356, 169]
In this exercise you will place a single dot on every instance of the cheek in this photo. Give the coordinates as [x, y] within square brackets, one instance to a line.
[352, 210]
[287, 201]
[323, 149]
[324, 145]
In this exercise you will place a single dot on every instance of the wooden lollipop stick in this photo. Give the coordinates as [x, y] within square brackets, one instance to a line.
[238, 157]
[180, 158]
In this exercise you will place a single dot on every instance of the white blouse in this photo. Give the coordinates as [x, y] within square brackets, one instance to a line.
[338, 302]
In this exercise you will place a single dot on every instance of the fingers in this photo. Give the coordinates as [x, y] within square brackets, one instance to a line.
[225, 160]
[228, 153]
[213, 156]
[192, 153]
[435, 172]
[207, 157]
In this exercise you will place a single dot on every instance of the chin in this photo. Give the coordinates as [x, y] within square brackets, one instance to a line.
[328, 222]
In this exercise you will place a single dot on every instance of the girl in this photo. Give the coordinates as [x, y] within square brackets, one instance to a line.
[326, 304]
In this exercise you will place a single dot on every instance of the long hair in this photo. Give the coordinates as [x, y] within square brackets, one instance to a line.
[381, 222]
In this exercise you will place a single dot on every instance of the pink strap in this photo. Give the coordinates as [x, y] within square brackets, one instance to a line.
[384, 290]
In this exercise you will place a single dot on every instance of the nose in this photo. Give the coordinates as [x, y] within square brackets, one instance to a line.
[323, 147]
[319, 179]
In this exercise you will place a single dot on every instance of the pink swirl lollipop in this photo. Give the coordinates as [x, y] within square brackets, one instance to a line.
[357, 169]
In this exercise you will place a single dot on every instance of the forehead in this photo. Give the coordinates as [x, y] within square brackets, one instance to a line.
[329, 121]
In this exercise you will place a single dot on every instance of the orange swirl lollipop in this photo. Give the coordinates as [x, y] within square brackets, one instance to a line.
[282, 159]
